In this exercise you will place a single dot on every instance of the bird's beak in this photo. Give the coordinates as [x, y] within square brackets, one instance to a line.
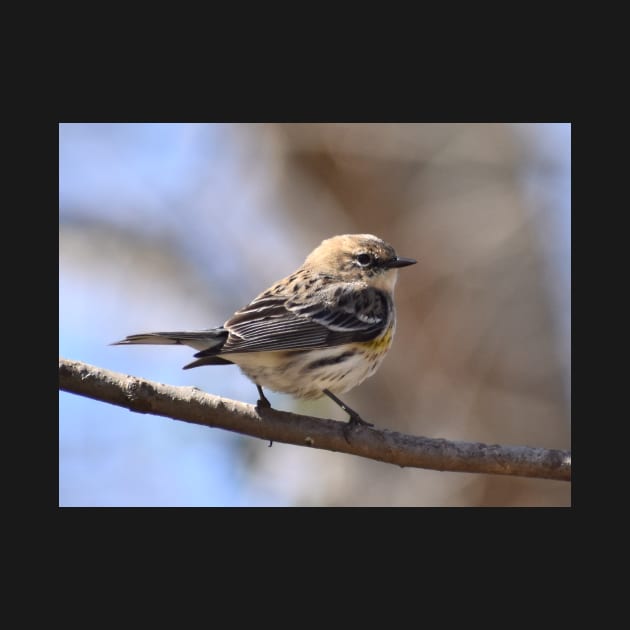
[399, 261]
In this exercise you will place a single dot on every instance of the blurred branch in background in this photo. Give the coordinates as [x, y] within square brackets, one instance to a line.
[177, 226]
[192, 405]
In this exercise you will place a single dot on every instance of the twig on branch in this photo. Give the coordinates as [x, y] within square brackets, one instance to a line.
[192, 405]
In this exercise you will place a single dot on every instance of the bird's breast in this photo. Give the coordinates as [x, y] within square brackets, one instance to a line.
[306, 373]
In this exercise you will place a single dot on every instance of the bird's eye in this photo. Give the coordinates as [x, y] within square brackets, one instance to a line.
[364, 259]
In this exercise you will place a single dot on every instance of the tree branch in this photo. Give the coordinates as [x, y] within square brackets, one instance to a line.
[192, 405]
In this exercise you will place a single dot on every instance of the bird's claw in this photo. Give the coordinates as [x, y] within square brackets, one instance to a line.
[354, 421]
[263, 403]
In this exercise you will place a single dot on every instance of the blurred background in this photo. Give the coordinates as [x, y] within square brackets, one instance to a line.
[175, 226]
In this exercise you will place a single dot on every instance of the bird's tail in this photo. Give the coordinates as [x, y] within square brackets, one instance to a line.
[208, 342]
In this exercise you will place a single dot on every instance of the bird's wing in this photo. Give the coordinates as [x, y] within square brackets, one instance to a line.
[341, 314]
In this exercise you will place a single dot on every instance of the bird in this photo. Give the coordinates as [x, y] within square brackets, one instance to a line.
[320, 331]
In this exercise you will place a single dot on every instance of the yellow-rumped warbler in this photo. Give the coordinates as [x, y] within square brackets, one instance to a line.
[321, 330]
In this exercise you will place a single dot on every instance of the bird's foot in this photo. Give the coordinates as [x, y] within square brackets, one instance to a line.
[355, 418]
[262, 402]
[354, 421]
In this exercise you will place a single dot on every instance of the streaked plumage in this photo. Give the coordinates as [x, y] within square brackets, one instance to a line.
[321, 330]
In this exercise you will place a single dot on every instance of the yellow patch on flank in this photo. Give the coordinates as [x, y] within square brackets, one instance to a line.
[380, 344]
